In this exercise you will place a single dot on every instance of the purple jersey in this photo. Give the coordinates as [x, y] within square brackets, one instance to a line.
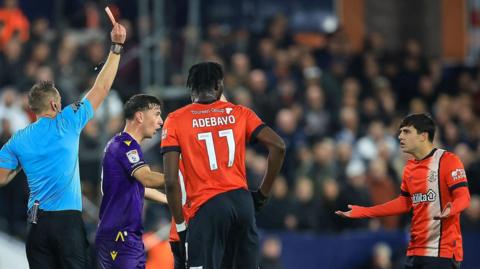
[122, 202]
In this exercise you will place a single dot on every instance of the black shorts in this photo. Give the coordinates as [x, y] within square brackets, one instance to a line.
[223, 233]
[58, 240]
[423, 262]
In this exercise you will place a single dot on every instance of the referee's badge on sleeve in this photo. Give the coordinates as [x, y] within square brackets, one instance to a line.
[76, 105]
[133, 156]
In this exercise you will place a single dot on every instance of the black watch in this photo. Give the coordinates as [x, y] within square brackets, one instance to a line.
[116, 48]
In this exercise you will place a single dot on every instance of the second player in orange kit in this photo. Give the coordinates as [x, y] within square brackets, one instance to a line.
[434, 184]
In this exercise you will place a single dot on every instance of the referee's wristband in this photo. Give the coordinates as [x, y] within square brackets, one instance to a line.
[116, 48]
[181, 227]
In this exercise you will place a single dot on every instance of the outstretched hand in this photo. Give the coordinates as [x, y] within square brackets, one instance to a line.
[345, 214]
[445, 213]
[118, 33]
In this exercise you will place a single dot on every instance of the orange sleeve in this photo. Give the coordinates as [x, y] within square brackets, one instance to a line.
[461, 200]
[169, 136]
[404, 186]
[453, 172]
[399, 205]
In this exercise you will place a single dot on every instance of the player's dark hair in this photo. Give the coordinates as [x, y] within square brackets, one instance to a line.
[140, 102]
[422, 122]
[204, 77]
[40, 94]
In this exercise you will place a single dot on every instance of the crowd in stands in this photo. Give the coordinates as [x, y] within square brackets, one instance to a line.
[337, 109]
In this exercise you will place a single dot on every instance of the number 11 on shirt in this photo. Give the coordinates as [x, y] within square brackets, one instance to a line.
[212, 157]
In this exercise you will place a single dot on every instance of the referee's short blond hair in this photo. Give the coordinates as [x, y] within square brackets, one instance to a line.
[40, 94]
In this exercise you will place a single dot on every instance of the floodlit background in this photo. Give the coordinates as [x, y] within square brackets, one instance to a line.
[332, 77]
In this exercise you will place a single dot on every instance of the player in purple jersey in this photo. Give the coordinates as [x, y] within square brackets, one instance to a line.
[126, 181]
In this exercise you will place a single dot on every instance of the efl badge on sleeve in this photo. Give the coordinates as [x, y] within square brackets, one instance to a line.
[133, 156]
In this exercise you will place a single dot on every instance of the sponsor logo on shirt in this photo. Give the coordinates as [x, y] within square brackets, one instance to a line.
[133, 156]
[212, 110]
[430, 196]
[458, 174]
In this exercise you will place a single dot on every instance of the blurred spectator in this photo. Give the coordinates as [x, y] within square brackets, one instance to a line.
[11, 109]
[324, 165]
[471, 217]
[316, 118]
[355, 191]
[263, 103]
[344, 153]
[382, 189]
[89, 157]
[349, 128]
[67, 70]
[330, 201]
[302, 215]
[271, 253]
[286, 126]
[13, 197]
[41, 31]
[11, 63]
[13, 23]
[382, 257]
[272, 216]
[110, 116]
[367, 146]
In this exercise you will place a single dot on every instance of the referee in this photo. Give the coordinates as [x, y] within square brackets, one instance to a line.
[47, 150]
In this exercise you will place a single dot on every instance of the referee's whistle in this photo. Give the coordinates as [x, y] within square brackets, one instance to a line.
[34, 212]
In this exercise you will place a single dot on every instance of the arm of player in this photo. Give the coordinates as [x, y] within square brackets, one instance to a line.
[276, 153]
[105, 78]
[155, 196]
[402, 204]
[149, 178]
[461, 201]
[172, 185]
[6, 175]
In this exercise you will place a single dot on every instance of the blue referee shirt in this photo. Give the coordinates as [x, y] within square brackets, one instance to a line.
[48, 152]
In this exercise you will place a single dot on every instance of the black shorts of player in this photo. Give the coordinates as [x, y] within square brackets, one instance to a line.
[424, 262]
[58, 240]
[223, 233]
[179, 260]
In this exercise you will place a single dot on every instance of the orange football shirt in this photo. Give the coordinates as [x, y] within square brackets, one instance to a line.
[211, 139]
[430, 183]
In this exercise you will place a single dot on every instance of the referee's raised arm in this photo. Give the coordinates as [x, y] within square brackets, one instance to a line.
[105, 78]
[47, 151]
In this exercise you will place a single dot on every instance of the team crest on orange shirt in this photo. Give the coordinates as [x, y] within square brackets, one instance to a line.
[432, 177]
